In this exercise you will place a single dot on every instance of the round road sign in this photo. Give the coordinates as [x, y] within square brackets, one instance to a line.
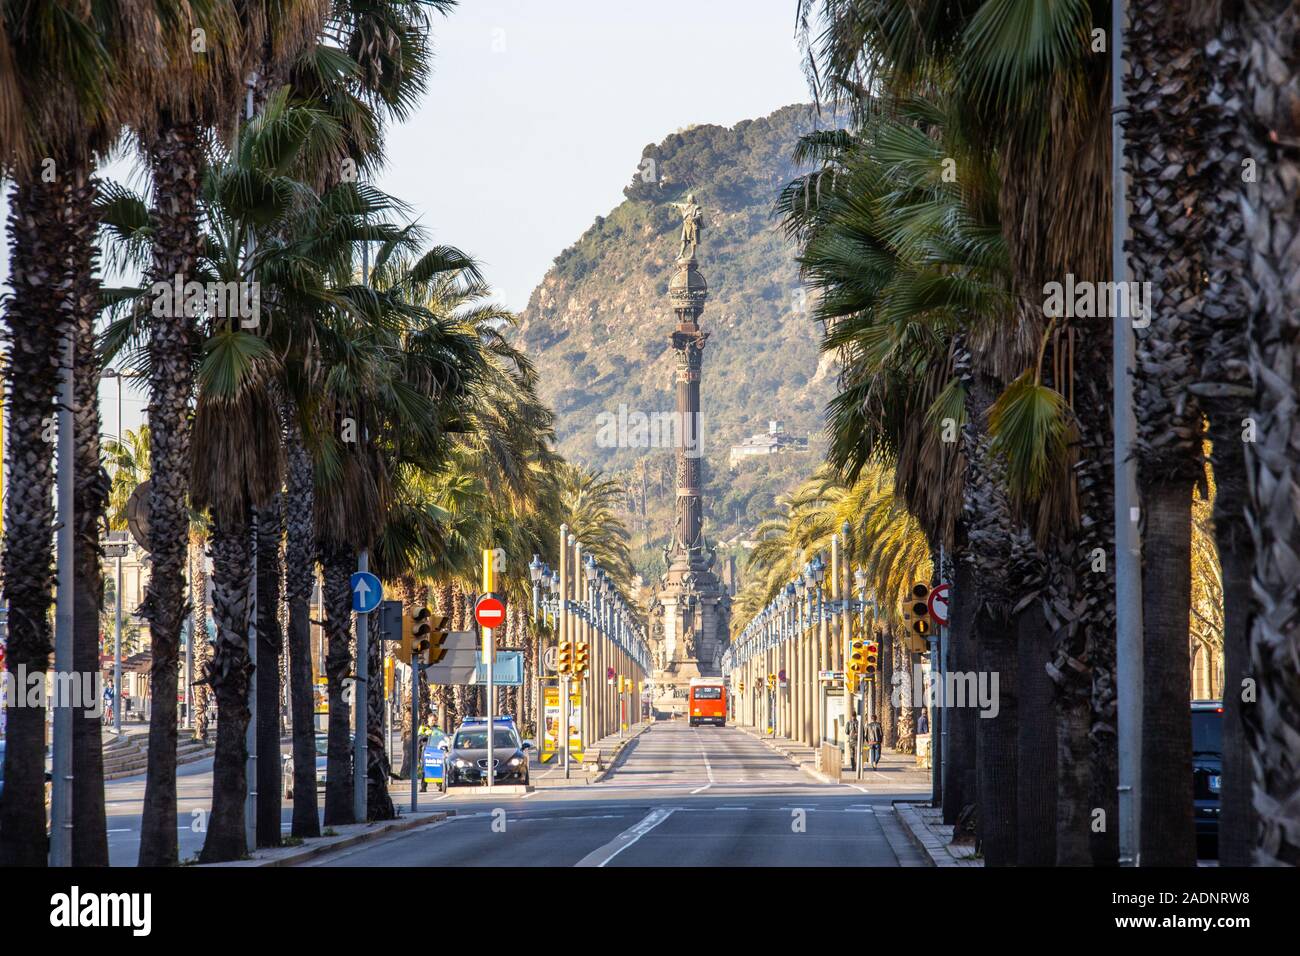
[938, 604]
[490, 611]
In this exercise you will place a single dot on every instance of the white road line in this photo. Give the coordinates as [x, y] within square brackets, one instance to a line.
[707, 766]
[602, 855]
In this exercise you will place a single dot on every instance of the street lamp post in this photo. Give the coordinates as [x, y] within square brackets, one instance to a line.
[536, 570]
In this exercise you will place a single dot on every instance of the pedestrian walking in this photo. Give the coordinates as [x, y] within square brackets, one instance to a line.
[873, 734]
[851, 736]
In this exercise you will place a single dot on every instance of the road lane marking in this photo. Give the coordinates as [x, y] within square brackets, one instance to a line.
[707, 766]
[602, 855]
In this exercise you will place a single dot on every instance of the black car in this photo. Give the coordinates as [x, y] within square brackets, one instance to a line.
[466, 762]
[1207, 773]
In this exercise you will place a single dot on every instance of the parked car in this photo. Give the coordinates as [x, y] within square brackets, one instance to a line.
[322, 752]
[49, 776]
[1207, 774]
[466, 761]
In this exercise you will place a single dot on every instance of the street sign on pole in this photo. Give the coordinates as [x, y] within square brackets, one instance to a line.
[490, 611]
[549, 658]
[938, 604]
[367, 592]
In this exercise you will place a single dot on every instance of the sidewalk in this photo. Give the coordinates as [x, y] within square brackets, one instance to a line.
[895, 771]
[611, 748]
[924, 824]
[345, 835]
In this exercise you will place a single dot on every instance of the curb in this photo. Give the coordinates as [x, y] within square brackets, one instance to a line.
[609, 767]
[908, 828]
[330, 844]
[810, 770]
[924, 840]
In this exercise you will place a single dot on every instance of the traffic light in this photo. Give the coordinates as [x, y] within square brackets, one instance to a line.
[406, 646]
[771, 682]
[857, 656]
[421, 627]
[918, 603]
[872, 658]
[742, 686]
[581, 657]
[564, 661]
[439, 628]
[916, 612]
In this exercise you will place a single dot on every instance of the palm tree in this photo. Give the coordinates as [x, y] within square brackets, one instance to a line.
[1169, 251]
[1018, 78]
[1269, 120]
[62, 102]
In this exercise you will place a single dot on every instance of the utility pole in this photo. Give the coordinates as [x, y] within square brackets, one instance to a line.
[61, 796]
[361, 696]
[1128, 545]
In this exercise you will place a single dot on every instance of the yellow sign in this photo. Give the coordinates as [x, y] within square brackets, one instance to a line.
[550, 722]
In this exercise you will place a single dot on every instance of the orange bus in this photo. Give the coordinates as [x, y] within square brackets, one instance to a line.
[707, 702]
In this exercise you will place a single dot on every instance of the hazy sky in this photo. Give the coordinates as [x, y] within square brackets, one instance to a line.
[537, 112]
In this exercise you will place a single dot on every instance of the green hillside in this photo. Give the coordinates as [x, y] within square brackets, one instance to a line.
[598, 324]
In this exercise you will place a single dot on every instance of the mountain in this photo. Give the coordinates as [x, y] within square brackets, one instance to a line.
[598, 325]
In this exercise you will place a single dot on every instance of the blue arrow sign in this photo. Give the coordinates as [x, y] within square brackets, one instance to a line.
[367, 592]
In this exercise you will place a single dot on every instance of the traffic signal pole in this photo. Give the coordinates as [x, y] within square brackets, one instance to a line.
[489, 657]
[417, 758]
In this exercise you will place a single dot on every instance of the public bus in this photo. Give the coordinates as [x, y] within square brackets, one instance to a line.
[707, 702]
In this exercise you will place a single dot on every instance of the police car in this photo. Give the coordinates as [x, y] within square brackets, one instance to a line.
[467, 756]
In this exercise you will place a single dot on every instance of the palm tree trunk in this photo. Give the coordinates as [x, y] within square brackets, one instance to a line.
[995, 742]
[229, 674]
[89, 826]
[337, 564]
[959, 785]
[1237, 819]
[270, 785]
[300, 564]
[1167, 834]
[1269, 31]
[36, 315]
[176, 160]
[1221, 339]
[888, 692]
[1035, 743]
[379, 805]
[202, 647]
[444, 697]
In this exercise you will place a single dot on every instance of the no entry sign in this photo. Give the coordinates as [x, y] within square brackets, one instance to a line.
[939, 605]
[490, 611]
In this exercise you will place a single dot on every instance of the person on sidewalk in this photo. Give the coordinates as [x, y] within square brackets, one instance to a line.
[851, 738]
[873, 735]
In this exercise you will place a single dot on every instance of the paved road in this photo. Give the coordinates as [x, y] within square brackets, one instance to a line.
[679, 796]
[124, 801]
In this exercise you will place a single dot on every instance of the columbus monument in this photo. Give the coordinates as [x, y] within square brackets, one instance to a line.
[691, 610]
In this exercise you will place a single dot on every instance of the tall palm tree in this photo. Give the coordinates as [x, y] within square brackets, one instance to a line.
[62, 102]
[1168, 252]
[1022, 85]
[1221, 342]
[1267, 34]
